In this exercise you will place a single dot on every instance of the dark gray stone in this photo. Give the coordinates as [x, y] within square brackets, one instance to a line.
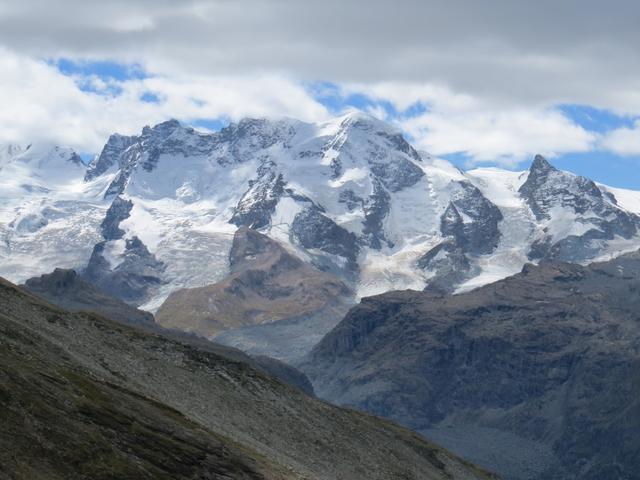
[547, 357]
[68, 290]
[375, 210]
[258, 203]
[312, 229]
[397, 175]
[449, 264]
[134, 279]
[119, 210]
[480, 234]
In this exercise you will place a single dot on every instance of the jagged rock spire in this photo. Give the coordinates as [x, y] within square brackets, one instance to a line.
[541, 165]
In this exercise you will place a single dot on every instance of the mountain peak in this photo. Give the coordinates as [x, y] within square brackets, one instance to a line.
[541, 165]
[365, 121]
[163, 128]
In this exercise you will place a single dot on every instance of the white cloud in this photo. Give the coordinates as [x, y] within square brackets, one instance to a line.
[405, 94]
[490, 81]
[623, 141]
[528, 54]
[504, 137]
[41, 104]
[482, 130]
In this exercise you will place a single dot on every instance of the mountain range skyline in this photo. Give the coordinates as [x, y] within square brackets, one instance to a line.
[580, 164]
[475, 88]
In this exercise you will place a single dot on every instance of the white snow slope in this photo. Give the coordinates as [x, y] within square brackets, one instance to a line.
[188, 189]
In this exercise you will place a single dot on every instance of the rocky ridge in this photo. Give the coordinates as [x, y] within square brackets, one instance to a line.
[534, 376]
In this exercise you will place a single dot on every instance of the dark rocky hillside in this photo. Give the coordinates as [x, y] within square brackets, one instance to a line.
[535, 376]
[84, 397]
[68, 290]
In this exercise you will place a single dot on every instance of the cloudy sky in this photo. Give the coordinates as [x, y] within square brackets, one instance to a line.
[480, 82]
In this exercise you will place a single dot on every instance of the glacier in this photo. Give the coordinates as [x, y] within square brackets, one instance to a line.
[349, 195]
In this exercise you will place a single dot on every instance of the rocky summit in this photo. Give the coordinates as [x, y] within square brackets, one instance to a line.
[535, 376]
[84, 397]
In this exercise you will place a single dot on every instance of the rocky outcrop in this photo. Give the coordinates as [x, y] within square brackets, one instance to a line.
[267, 284]
[449, 265]
[545, 361]
[133, 278]
[123, 267]
[478, 232]
[85, 397]
[470, 227]
[124, 154]
[375, 210]
[314, 230]
[259, 202]
[119, 210]
[66, 289]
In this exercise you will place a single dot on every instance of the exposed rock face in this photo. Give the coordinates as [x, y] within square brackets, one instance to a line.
[133, 278]
[66, 289]
[237, 143]
[470, 226]
[313, 230]
[124, 154]
[85, 397]
[450, 265]
[110, 156]
[375, 209]
[266, 284]
[535, 376]
[549, 190]
[259, 202]
[123, 267]
[118, 211]
[478, 232]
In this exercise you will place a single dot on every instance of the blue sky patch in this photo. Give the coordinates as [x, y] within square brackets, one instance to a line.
[331, 96]
[102, 69]
[213, 125]
[149, 97]
[107, 74]
[595, 119]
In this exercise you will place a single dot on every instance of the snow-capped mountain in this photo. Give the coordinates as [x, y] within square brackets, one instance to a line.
[157, 212]
[48, 215]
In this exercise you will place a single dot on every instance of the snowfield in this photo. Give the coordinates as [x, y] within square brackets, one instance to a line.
[350, 195]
